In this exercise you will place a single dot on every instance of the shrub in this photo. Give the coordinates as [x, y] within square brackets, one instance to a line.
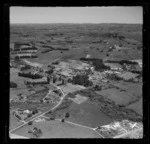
[37, 133]
[34, 111]
[62, 120]
[29, 75]
[67, 115]
[30, 123]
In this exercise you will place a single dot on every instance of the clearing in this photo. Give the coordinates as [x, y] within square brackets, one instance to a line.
[57, 129]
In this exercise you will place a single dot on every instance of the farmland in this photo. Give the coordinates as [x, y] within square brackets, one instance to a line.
[80, 82]
[56, 129]
[93, 117]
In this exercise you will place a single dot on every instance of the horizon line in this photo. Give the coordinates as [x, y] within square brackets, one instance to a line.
[75, 23]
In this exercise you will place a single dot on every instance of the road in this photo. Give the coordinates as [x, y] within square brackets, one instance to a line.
[44, 112]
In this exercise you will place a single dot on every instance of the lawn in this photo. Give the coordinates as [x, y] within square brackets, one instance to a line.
[137, 106]
[85, 113]
[119, 97]
[133, 88]
[57, 129]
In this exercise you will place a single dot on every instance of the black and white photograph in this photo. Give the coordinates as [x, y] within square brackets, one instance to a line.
[76, 72]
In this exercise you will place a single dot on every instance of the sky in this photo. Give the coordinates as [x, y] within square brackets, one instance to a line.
[76, 15]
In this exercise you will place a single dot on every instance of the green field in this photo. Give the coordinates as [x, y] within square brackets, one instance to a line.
[85, 113]
[56, 129]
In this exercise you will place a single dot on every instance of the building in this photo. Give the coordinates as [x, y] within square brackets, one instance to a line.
[88, 56]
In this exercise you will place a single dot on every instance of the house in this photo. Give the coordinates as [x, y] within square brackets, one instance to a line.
[88, 56]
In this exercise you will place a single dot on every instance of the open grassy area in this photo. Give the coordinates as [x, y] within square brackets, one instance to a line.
[137, 106]
[14, 77]
[80, 39]
[85, 113]
[118, 96]
[32, 105]
[56, 129]
[118, 99]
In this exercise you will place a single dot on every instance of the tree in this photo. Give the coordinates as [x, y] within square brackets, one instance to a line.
[29, 115]
[30, 131]
[34, 111]
[67, 115]
[81, 80]
[37, 132]
[52, 118]
[30, 123]
[50, 71]
[62, 120]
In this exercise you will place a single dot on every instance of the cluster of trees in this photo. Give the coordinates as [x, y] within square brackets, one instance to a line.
[97, 88]
[81, 80]
[26, 67]
[29, 75]
[29, 48]
[97, 63]
[35, 132]
[67, 115]
[33, 56]
[113, 35]
[136, 71]
[46, 51]
[13, 85]
[110, 108]
[50, 71]
[63, 49]
[121, 62]
[114, 77]
[36, 83]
